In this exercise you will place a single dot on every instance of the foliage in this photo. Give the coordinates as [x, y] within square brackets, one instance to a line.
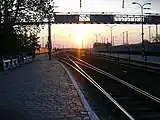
[145, 41]
[25, 10]
[28, 43]
[156, 38]
[104, 45]
[16, 39]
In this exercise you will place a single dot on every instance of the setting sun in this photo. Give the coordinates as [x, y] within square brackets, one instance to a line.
[80, 36]
[79, 39]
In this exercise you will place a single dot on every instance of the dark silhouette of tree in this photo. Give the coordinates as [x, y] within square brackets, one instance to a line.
[25, 10]
[109, 44]
[16, 39]
[100, 45]
[145, 41]
[20, 39]
[156, 38]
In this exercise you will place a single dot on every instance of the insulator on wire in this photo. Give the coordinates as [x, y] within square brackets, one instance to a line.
[123, 4]
[80, 3]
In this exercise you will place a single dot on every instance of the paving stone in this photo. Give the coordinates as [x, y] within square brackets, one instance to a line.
[40, 90]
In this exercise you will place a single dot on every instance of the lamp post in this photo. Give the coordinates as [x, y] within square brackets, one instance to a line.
[111, 29]
[123, 38]
[142, 17]
[149, 33]
[96, 38]
[49, 37]
[49, 10]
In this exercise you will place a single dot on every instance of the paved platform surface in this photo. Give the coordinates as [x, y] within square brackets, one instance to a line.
[40, 90]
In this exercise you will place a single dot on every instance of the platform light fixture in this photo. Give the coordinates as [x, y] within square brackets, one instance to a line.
[142, 15]
[111, 27]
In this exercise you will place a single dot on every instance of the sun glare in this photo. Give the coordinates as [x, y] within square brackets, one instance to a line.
[80, 36]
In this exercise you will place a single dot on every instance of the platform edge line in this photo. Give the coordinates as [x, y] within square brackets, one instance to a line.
[86, 105]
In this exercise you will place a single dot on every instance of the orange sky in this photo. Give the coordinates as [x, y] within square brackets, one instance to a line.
[87, 32]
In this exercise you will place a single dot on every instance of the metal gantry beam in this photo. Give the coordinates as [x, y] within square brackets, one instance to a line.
[96, 18]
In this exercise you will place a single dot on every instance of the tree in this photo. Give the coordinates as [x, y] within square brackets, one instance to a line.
[156, 38]
[104, 45]
[145, 41]
[109, 44]
[28, 44]
[25, 10]
[32, 44]
[14, 11]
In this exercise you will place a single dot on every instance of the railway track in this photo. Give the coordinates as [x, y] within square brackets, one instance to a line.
[130, 102]
[145, 65]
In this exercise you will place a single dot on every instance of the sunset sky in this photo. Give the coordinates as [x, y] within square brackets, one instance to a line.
[72, 35]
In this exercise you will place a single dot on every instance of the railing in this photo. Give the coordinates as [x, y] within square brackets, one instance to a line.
[12, 63]
[130, 60]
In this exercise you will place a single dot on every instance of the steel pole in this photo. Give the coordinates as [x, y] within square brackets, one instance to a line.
[123, 39]
[149, 33]
[156, 30]
[143, 49]
[142, 24]
[127, 37]
[49, 37]
[96, 39]
[111, 36]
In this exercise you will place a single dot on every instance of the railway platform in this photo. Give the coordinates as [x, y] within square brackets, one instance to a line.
[41, 90]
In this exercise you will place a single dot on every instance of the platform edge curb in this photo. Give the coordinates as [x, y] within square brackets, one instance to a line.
[86, 105]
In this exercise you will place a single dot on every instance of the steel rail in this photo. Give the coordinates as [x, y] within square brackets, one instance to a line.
[142, 62]
[119, 80]
[133, 63]
[79, 69]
